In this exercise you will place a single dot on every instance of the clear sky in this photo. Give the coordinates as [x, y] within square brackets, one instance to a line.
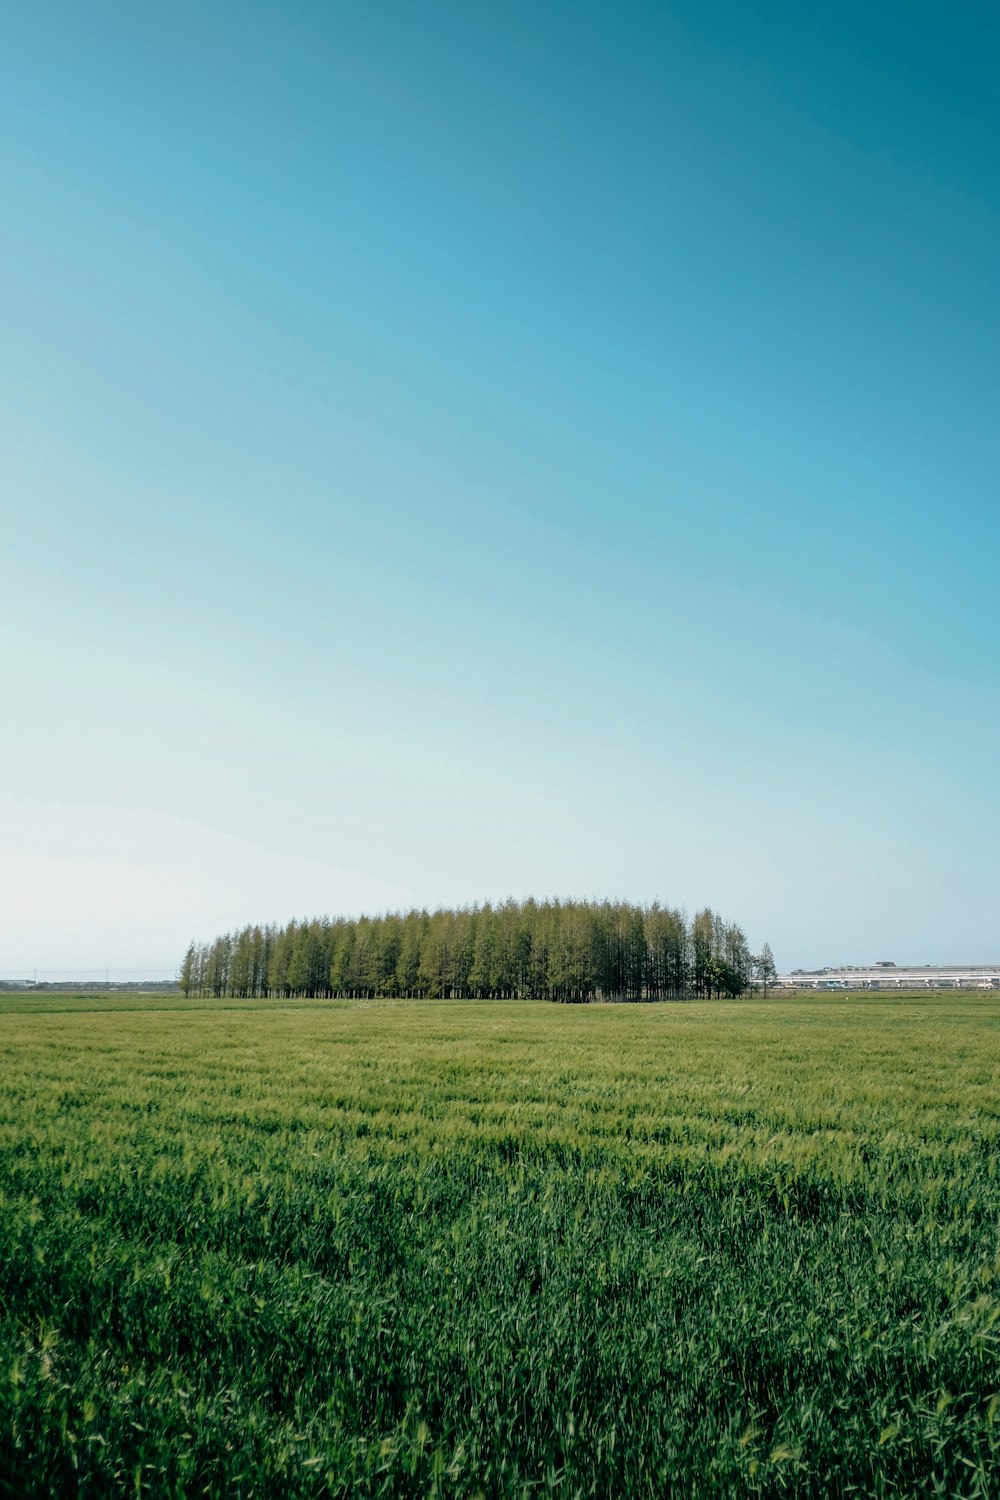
[459, 450]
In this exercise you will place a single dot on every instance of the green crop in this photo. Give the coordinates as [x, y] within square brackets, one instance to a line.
[507, 1249]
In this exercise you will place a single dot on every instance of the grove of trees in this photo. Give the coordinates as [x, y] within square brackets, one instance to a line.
[548, 950]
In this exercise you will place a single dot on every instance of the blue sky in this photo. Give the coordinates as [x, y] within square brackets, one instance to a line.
[454, 451]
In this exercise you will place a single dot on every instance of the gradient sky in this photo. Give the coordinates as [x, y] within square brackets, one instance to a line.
[458, 450]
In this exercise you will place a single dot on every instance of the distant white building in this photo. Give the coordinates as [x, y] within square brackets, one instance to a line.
[886, 975]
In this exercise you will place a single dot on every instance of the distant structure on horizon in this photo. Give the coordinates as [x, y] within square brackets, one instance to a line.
[886, 975]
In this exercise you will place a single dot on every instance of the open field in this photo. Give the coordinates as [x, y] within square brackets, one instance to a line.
[515, 1249]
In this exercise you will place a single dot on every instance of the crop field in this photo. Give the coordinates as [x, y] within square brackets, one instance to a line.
[508, 1249]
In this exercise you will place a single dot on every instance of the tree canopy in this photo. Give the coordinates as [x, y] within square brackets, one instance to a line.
[549, 950]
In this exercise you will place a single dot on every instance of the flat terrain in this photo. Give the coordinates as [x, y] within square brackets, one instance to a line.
[514, 1249]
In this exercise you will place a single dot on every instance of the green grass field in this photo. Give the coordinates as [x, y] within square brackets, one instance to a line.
[508, 1249]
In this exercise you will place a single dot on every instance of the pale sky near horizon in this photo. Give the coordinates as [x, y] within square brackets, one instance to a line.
[454, 451]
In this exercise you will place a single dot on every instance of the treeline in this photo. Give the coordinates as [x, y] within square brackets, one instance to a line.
[551, 950]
